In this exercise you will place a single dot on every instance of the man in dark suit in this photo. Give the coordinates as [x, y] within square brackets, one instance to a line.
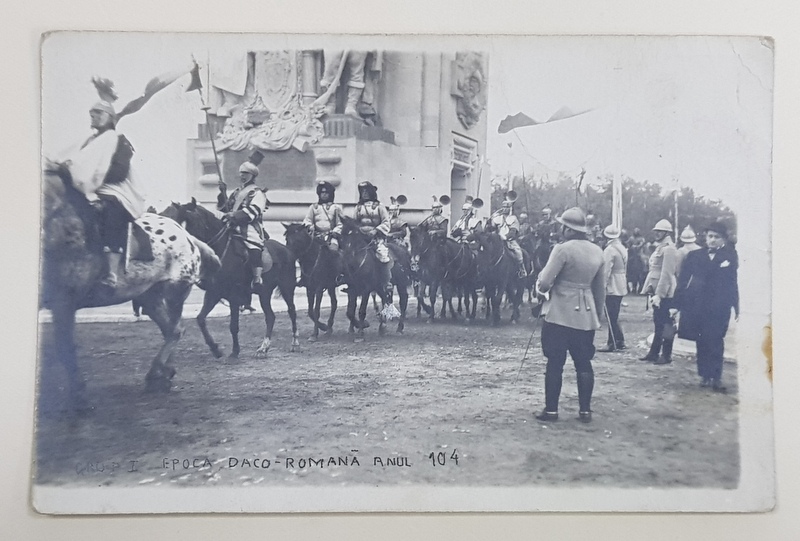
[574, 279]
[707, 290]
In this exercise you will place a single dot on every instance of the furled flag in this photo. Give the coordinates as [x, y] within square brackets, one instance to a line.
[157, 84]
[520, 120]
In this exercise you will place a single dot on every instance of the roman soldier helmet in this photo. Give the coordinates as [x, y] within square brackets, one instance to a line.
[397, 202]
[108, 95]
[574, 219]
[248, 167]
[663, 225]
[687, 235]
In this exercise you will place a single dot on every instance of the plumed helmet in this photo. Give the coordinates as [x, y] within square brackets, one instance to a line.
[367, 185]
[611, 232]
[574, 219]
[547, 210]
[719, 228]
[466, 206]
[369, 189]
[663, 225]
[436, 203]
[325, 185]
[105, 107]
[507, 204]
[687, 235]
[248, 167]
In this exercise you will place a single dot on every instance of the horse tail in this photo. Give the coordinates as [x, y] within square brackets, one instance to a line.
[209, 262]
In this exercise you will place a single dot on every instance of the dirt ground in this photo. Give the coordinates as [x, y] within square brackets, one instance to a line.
[437, 404]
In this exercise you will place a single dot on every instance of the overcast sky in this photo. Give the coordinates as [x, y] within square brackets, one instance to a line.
[696, 109]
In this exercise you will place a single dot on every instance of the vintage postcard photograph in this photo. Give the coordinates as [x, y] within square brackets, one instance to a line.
[306, 273]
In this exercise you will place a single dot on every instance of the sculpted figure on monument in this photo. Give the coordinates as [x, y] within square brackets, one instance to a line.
[356, 71]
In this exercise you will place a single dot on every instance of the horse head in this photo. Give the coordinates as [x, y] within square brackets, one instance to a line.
[298, 238]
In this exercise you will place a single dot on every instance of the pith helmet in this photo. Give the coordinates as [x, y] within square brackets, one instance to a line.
[663, 225]
[574, 219]
[611, 232]
[687, 235]
[248, 167]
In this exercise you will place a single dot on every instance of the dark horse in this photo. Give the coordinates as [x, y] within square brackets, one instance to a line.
[497, 273]
[538, 248]
[451, 266]
[320, 267]
[430, 269]
[233, 280]
[637, 268]
[74, 263]
[362, 275]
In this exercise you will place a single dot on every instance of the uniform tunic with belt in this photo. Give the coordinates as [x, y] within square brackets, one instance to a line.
[616, 264]
[464, 226]
[661, 276]
[324, 218]
[574, 276]
[248, 203]
[371, 215]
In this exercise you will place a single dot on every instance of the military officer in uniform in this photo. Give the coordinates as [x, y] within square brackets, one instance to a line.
[324, 218]
[574, 281]
[689, 240]
[547, 228]
[243, 210]
[616, 265]
[373, 220]
[660, 284]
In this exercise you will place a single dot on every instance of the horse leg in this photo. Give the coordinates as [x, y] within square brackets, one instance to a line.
[402, 292]
[287, 293]
[166, 311]
[209, 302]
[432, 292]
[351, 311]
[314, 302]
[234, 329]
[362, 315]
[64, 331]
[265, 299]
[334, 305]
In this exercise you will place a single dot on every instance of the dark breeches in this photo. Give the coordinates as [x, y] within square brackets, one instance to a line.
[557, 340]
[114, 220]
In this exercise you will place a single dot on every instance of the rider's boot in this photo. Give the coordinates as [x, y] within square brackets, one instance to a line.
[522, 272]
[114, 259]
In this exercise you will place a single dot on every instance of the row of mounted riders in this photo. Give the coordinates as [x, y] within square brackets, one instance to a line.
[433, 264]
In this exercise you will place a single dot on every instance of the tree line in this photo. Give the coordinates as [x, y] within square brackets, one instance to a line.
[643, 202]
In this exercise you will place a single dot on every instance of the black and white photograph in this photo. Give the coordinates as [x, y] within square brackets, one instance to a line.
[329, 273]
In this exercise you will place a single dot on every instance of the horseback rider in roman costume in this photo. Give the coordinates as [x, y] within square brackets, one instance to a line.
[373, 220]
[243, 211]
[435, 224]
[101, 169]
[547, 228]
[324, 219]
[466, 223]
[508, 228]
[398, 228]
